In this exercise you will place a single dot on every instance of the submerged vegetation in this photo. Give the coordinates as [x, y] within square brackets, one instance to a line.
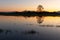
[30, 32]
[1, 30]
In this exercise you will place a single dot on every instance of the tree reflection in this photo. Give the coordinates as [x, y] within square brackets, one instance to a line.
[39, 19]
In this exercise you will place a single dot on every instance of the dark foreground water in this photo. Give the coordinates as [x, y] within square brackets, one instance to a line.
[29, 28]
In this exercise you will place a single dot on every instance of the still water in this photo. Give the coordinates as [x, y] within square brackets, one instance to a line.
[17, 28]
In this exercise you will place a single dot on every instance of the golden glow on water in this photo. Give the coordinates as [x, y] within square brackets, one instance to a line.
[49, 20]
[27, 20]
[52, 20]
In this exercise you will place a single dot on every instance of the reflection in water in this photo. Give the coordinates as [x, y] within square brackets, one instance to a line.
[40, 19]
[15, 28]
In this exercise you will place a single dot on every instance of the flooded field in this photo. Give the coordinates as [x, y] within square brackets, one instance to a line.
[29, 28]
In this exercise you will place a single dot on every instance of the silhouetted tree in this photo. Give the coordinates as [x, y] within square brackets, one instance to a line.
[40, 8]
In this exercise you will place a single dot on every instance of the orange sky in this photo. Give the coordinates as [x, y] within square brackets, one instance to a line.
[21, 5]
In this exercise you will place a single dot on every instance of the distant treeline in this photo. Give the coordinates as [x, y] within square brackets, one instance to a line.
[30, 13]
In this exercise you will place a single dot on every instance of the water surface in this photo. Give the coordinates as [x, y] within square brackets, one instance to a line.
[16, 27]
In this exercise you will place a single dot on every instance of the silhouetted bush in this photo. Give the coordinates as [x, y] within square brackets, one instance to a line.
[30, 13]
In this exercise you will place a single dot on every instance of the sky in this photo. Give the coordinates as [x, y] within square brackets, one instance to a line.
[21, 5]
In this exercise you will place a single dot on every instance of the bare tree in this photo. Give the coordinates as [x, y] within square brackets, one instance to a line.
[40, 8]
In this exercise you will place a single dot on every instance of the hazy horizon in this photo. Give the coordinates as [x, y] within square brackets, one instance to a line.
[21, 5]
